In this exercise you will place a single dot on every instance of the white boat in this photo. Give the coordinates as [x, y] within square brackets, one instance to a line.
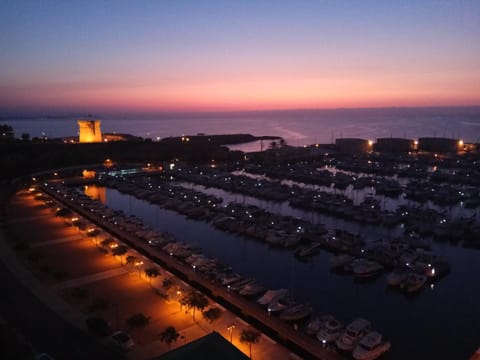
[371, 347]
[272, 296]
[330, 332]
[296, 312]
[413, 282]
[252, 289]
[281, 304]
[316, 324]
[352, 334]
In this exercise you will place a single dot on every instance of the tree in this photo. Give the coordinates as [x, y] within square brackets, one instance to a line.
[107, 242]
[151, 273]
[212, 314]
[120, 251]
[25, 136]
[137, 320]
[195, 300]
[169, 336]
[250, 337]
[130, 259]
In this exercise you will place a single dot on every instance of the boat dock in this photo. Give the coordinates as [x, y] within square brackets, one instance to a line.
[278, 330]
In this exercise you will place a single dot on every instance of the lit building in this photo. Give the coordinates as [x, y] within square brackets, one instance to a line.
[89, 131]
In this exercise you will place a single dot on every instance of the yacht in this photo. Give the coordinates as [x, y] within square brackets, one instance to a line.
[316, 324]
[330, 332]
[296, 312]
[272, 296]
[352, 334]
[371, 347]
[252, 289]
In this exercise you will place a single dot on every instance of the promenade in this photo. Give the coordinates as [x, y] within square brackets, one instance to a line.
[249, 311]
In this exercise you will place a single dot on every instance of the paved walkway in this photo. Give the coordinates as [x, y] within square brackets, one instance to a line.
[89, 279]
[57, 241]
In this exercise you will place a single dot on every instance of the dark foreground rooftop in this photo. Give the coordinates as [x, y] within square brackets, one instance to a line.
[210, 347]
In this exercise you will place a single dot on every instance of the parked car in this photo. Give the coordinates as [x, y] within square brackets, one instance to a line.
[122, 340]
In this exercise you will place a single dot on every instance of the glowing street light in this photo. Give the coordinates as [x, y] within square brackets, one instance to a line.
[138, 265]
[230, 330]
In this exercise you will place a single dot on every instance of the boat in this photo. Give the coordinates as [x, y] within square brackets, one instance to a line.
[413, 282]
[366, 268]
[296, 312]
[280, 304]
[316, 324]
[308, 250]
[352, 334]
[330, 332]
[272, 296]
[252, 289]
[340, 262]
[239, 285]
[371, 347]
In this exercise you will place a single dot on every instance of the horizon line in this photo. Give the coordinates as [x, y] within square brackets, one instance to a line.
[26, 112]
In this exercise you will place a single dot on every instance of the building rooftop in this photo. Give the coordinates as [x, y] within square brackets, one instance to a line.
[210, 347]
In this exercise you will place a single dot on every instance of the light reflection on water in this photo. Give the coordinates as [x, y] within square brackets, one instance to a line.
[439, 323]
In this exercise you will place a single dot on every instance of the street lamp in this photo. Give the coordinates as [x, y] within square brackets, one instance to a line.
[230, 329]
[139, 265]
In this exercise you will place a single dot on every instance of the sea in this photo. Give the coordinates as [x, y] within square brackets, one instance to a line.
[296, 127]
[441, 322]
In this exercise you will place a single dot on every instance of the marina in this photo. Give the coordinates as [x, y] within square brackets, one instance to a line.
[332, 293]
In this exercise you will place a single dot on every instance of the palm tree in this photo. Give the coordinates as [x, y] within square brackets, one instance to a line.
[120, 251]
[107, 242]
[169, 336]
[152, 272]
[212, 314]
[130, 259]
[250, 337]
[195, 300]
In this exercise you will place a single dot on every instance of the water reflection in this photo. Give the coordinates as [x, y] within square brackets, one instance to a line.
[448, 314]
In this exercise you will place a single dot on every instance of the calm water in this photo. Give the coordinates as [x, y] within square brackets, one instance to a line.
[296, 127]
[439, 323]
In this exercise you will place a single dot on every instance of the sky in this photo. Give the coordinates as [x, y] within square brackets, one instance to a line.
[175, 55]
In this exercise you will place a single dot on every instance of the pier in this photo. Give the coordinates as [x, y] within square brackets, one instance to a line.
[273, 327]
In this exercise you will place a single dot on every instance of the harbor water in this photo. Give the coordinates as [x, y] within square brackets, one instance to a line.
[441, 322]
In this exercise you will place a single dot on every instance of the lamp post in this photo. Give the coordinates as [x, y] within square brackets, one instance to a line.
[230, 329]
[139, 264]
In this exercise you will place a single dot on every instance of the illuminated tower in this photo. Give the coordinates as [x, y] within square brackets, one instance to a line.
[89, 131]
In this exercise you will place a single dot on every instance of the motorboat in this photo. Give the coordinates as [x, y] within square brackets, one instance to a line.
[413, 282]
[330, 332]
[371, 347]
[281, 304]
[296, 312]
[366, 268]
[308, 250]
[252, 289]
[352, 334]
[272, 296]
[340, 262]
[239, 285]
[316, 324]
